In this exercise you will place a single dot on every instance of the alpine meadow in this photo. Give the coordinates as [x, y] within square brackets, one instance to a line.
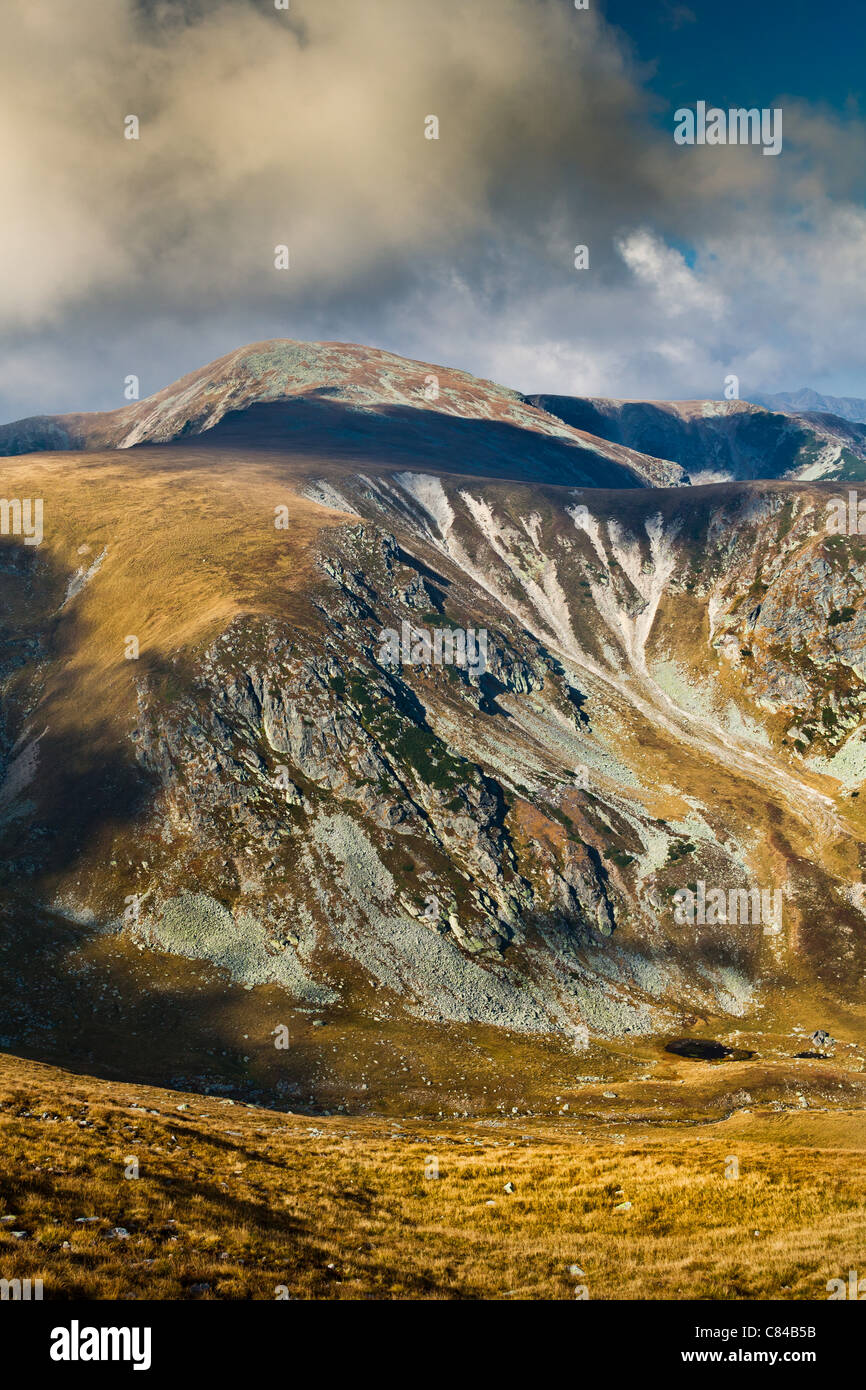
[432, 669]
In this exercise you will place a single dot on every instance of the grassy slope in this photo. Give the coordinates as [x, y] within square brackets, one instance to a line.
[190, 543]
[245, 1200]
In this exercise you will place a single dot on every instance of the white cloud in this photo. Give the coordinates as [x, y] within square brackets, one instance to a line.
[665, 272]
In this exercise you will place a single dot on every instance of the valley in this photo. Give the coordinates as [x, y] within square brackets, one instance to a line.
[250, 854]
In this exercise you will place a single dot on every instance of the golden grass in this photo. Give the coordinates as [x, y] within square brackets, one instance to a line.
[190, 542]
[246, 1201]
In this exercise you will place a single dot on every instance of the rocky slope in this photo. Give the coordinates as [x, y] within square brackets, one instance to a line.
[719, 440]
[218, 772]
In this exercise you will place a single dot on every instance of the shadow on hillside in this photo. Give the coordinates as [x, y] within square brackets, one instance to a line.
[301, 1245]
[315, 426]
[65, 774]
[769, 442]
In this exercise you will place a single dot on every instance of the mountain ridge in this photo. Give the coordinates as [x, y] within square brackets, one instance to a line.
[284, 393]
[262, 386]
[715, 441]
[806, 400]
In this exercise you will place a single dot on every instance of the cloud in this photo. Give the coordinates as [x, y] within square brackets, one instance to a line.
[305, 127]
[261, 127]
[675, 16]
[664, 271]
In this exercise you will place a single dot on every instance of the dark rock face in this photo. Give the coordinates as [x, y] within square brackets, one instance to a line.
[288, 746]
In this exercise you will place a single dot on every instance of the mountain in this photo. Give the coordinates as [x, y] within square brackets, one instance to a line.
[809, 402]
[230, 805]
[356, 403]
[242, 798]
[364, 405]
[717, 440]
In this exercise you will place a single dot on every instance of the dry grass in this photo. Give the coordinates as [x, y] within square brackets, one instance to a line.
[189, 543]
[246, 1200]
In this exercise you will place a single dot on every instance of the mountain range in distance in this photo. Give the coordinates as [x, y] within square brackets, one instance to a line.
[266, 840]
[807, 401]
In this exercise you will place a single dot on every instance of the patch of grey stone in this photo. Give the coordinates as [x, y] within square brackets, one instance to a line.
[198, 927]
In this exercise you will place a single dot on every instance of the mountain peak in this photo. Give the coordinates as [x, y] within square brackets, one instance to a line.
[329, 397]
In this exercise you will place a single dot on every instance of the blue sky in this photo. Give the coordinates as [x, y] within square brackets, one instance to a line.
[746, 52]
